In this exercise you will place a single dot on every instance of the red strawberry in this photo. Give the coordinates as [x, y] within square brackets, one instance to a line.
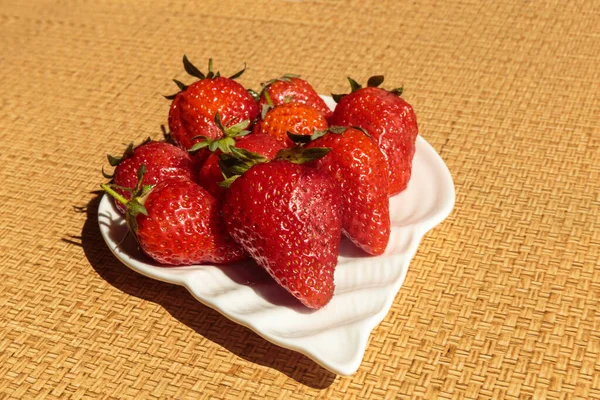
[163, 161]
[357, 163]
[290, 88]
[296, 118]
[177, 222]
[210, 174]
[389, 119]
[260, 143]
[194, 108]
[288, 218]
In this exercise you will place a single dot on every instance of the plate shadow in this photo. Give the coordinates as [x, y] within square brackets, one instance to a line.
[202, 319]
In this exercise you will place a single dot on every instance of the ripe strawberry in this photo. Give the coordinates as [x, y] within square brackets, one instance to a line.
[260, 143]
[357, 163]
[177, 222]
[210, 174]
[296, 118]
[194, 108]
[389, 119]
[288, 218]
[163, 161]
[290, 88]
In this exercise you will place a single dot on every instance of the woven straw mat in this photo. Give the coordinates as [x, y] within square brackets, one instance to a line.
[501, 300]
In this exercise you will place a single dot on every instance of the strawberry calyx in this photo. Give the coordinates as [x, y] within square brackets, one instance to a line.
[374, 81]
[135, 205]
[225, 142]
[267, 106]
[194, 71]
[255, 95]
[238, 161]
[300, 155]
[338, 130]
[167, 136]
[116, 160]
[267, 96]
[283, 78]
[244, 156]
[305, 139]
[341, 129]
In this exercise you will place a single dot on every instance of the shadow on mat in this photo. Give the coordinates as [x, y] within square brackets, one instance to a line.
[182, 306]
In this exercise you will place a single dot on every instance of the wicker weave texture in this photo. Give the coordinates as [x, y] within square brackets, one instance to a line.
[501, 300]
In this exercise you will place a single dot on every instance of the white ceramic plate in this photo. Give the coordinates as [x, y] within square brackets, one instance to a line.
[335, 336]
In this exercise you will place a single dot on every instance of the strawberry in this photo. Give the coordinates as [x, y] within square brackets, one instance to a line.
[163, 161]
[177, 222]
[389, 119]
[194, 108]
[260, 143]
[357, 163]
[296, 118]
[210, 174]
[288, 218]
[290, 88]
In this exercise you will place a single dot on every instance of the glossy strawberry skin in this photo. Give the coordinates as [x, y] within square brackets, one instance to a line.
[184, 226]
[193, 110]
[359, 166]
[288, 218]
[295, 90]
[210, 174]
[296, 118]
[391, 121]
[163, 161]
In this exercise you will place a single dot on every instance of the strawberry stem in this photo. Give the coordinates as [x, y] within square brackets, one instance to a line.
[134, 206]
[108, 189]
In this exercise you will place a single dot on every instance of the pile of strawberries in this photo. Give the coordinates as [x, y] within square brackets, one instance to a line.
[276, 176]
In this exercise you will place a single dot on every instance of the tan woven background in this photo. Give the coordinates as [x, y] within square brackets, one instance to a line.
[501, 300]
